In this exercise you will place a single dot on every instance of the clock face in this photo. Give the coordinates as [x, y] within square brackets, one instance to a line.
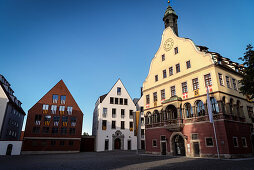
[168, 44]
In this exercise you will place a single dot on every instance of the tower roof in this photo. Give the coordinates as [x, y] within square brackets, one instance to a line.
[169, 11]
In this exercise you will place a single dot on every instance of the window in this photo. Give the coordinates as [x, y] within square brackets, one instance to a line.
[200, 108]
[170, 71]
[111, 100]
[188, 110]
[163, 57]
[45, 130]
[244, 143]
[228, 82]
[234, 84]
[47, 120]
[62, 142]
[45, 108]
[113, 125]
[164, 74]
[122, 113]
[121, 101]
[208, 80]
[71, 143]
[53, 109]
[55, 98]
[118, 90]
[105, 110]
[64, 120]
[235, 141]
[177, 68]
[147, 99]
[116, 100]
[195, 84]
[194, 136]
[73, 121]
[37, 119]
[36, 129]
[72, 131]
[184, 87]
[142, 133]
[53, 142]
[113, 113]
[231, 106]
[209, 142]
[221, 79]
[131, 126]
[173, 91]
[155, 97]
[63, 98]
[142, 120]
[163, 94]
[104, 124]
[176, 50]
[69, 110]
[188, 65]
[54, 130]
[215, 106]
[125, 101]
[131, 114]
[122, 125]
[154, 143]
[61, 109]
[163, 138]
[156, 78]
[56, 120]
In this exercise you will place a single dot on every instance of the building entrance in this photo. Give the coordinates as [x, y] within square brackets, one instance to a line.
[163, 148]
[196, 149]
[178, 145]
[117, 143]
[9, 149]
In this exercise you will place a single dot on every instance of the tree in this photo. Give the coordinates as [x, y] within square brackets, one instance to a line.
[247, 82]
[85, 134]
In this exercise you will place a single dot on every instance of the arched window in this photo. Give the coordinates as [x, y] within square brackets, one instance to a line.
[181, 112]
[188, 110]
[238, 107]
[231, 106]
[200, 108]
[215, 107]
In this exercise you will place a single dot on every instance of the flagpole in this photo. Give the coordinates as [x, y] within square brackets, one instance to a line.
[209, 108]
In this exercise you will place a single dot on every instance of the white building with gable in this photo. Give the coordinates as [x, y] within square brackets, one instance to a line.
[113, 120]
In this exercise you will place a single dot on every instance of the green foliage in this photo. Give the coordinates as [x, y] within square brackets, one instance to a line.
[248, 79]
[85, 134]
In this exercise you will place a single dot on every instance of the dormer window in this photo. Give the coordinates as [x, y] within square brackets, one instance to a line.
[118, 90]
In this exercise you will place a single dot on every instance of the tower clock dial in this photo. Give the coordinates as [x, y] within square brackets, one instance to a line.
[168, 44]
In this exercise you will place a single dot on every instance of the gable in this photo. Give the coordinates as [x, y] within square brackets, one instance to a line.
[59, 89]
[187, 51]
[113, 93]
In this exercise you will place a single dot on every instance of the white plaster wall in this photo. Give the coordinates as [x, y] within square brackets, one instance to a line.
[16, 149]
[107, 134]
[3, 103]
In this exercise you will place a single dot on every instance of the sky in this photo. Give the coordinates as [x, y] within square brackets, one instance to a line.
[90, 44]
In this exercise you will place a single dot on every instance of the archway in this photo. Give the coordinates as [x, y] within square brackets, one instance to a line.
[171, 112]
[9, 149]
[178, 146]
[117, 143]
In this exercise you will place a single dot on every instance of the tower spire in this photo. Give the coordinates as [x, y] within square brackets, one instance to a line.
[170, 19]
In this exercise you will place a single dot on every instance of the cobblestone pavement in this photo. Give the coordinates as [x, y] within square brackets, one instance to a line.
[118, 160]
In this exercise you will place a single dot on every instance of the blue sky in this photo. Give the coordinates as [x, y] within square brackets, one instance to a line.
[90, 44]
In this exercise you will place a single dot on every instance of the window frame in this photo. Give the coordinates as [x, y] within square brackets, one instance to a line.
[206, 142]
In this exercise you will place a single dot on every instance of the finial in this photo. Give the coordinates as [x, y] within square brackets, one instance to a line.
[169, 2]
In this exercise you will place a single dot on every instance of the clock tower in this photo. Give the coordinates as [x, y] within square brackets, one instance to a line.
[170, 19]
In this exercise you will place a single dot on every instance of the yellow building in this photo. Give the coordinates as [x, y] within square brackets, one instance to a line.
[175, 94]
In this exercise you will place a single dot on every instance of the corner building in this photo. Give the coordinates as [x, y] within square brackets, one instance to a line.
[54, 123]
[175, 98]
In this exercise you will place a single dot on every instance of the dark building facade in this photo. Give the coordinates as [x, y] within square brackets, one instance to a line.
[11, 119]
[54, 123]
